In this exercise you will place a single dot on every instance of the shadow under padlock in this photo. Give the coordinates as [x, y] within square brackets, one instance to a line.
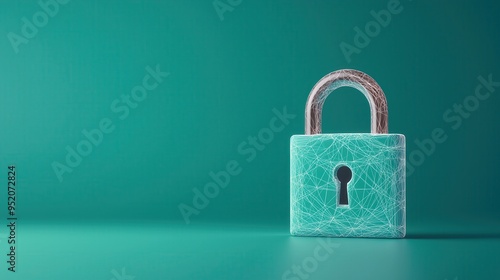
[348, 184]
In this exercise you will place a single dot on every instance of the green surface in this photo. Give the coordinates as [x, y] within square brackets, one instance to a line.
[221, 251]
[234, 79]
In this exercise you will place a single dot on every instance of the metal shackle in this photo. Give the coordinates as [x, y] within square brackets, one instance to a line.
[350, 78]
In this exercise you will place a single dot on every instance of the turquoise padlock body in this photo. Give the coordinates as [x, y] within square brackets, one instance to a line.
[376, 191]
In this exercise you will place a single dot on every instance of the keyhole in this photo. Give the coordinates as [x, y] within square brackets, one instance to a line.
[344, 175]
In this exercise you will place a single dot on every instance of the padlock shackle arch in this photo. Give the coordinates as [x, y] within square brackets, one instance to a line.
[351, 78]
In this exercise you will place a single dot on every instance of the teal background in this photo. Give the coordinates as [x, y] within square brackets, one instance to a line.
[119, 207]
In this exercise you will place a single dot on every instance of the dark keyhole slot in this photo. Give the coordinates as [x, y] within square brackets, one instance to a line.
[344, 175]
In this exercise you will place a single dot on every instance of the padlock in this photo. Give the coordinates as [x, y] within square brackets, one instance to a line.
[348, 184]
